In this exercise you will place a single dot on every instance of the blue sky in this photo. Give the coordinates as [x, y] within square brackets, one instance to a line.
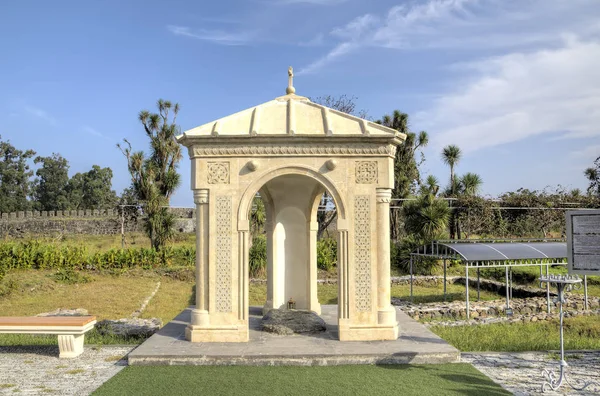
[514, 83]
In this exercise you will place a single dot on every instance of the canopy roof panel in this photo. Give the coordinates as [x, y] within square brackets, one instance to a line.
[482, 251]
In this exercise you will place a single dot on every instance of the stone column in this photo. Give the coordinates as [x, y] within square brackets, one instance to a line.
[313, 300]
[343, 282]
[386, 314]
[200, 314]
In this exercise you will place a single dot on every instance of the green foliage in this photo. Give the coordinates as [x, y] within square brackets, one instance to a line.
[14, 177]
[70, 276]
[35, 255]
[593, 176]
[154, 178]
[258, 256]
[92, 189]
[326, 254]
[258, 216]
[406, 167]
[50, 191]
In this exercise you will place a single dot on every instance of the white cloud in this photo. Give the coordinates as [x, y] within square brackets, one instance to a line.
[509, 98]
[356, 28]
[213, 36]
[39, 113]
[469, 25]
[92, 131]
[587, 154]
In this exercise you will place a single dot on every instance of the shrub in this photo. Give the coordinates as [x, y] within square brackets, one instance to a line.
[326, 254]
[37, 255]
[258, 256]
[70, 276]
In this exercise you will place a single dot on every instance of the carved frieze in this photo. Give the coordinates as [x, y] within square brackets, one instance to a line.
[298, 149]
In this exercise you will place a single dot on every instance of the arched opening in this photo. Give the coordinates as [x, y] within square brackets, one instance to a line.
[292, 201]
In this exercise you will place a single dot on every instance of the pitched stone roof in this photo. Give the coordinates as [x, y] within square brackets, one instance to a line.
[291, 115]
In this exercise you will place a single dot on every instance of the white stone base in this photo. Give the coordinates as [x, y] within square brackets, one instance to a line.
[70, 346]
[368, 332]
[217, 333]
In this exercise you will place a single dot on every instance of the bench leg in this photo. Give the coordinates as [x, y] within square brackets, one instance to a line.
[70, 345]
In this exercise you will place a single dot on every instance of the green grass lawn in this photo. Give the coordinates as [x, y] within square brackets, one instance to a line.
[582, 332]
[446, 379]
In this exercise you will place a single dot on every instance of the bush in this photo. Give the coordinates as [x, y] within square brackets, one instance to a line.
[258, 257]
[326, 254]
[70, 276]
[36, 255]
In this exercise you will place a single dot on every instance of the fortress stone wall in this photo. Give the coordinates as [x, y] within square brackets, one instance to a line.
[92, 222]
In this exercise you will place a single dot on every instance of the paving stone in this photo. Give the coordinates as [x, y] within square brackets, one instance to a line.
[521, 373]
[38, 370]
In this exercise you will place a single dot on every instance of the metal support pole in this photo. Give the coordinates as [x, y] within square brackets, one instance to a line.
[506, 287]
[122, 227]
[547, 289]
[541, 274]
[444, 279]
[585, 294]
[478, 281]
[511, 282]
[467, 284]
[411, 278]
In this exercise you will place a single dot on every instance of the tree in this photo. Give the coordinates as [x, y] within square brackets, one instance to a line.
[50, 187]
[469, 184]
[451, 155]
[155, 178]
[593, 175]
[97, 192]
[346, 104]
[14, 177]
[406, 167]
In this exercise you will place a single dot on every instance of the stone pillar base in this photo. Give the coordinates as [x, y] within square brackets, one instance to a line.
[200, 318]
[368, 332]
[315, 307]
[231, 333]
[386, 316]
[70, 346]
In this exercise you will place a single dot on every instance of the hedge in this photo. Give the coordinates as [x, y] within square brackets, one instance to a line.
[37, 255]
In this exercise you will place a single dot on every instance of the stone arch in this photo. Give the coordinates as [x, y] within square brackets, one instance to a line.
[294, 169]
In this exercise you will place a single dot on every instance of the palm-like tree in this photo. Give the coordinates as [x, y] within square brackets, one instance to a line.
[451, 155]
[469, 184]
[593, 175]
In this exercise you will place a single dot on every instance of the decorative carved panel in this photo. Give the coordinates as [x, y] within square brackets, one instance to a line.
[223, 261]
[362, 252]
[366, 172]
[297, 149]
[218, 173]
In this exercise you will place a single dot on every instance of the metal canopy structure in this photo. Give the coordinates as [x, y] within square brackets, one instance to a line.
[479, 253]
[503, 251]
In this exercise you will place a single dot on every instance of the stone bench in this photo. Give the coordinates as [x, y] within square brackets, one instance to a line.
[70, 330]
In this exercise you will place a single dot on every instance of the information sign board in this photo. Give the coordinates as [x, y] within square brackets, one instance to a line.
[583, 242]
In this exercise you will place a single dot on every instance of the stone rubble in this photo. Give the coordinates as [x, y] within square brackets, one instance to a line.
[133, 327]
[483, 312]
[289, 322]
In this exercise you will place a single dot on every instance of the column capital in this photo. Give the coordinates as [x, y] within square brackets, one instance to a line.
[201, 196]
[383, 195]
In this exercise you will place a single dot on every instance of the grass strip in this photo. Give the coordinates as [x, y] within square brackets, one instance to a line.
[446, 379]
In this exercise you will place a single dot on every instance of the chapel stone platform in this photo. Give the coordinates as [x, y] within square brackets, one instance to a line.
[416, 345]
